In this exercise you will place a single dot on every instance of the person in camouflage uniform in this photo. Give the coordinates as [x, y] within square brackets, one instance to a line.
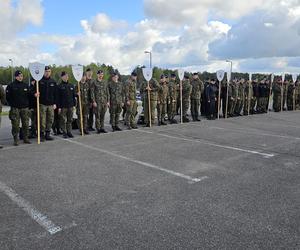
[85, 103]
[162, 99]
[197, 90]
[66, 101]
[297, 95]
[116, 100]
[240, 97]
[2, 101]
[248, 97]
[234, 98]
[253, 106]
[285, 90]
[100, 100]
[153, 88]
[130, 101]
[47, 89]
[172, 99]
[290, 96]
[262, 101]
[92, 110]
[17, 96]
[186, 97]
[277, 96]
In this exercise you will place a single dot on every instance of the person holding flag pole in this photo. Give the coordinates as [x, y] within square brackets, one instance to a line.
[37, 71]
[270, 92]
[78, 74]
[294, 76]
[220, 77]
[282, 81]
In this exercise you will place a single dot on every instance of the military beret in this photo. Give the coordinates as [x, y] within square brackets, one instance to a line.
[173, 75]
[99, 72]
[133, 73]
[63, 73]
[162, 76]
[114, 73]
[47, 68]
[18, 72]
[166, 76]
[88, 70]
[195, 74]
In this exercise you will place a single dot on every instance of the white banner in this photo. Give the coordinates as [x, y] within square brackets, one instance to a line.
[148, 72]
[272, 78]
[220, 75]
[250, 77]
[295, 76]
[37, 70]
[283, 77]
[228, 77]
[180, 74]
[77, 72]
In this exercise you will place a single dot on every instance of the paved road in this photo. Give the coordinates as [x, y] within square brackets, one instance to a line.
[228, 184]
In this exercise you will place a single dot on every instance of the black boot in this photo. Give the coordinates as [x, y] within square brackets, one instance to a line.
[102, 130]
[70, 135]
[48, 137]
[42, 137]
[118, 128]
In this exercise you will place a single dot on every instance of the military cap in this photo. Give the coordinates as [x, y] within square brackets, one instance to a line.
[166, 76]
[173, 75]
[133, 73]
[162, 76]
[47, 68]
[18, 72]
[99, 72]
[88, 70]
[195, 74]
[63, 73]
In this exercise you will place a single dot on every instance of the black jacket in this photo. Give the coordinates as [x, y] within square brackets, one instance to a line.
[66, 95]
[18, 94]
[47, 89]
[211, 92]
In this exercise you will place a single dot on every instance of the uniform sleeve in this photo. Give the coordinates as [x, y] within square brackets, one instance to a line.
[2, 95]
[108, 93]
[92, 92]
[8, 94]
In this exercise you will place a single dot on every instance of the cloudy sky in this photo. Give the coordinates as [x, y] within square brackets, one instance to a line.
[258, 35]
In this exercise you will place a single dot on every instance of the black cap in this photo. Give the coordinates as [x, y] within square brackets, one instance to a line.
[173, 75]
[162, 76]
[63, 73]
[47, 68]
[18, 72]
[195, 74]
[114, 73]
[133, 73]
[166, 76]
[88, 70]
[99, 72]
[186, 76]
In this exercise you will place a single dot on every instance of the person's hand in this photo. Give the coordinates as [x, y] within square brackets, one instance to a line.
[108, 105]
[94, 105]
[122, 104]
[128, 103]
[59, 111]
[54, 106]
[37, 94]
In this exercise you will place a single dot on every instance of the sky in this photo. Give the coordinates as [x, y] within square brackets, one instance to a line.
[197, 35]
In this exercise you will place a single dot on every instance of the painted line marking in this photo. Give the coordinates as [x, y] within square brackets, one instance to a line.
[146, 164]
[265, 155]
[36, 215]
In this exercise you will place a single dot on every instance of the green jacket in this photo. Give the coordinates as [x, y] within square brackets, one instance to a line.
[186, 89]
[197, 89]
[116, 93]
[130, 90]
[100, 92]
[84, 92]
[2, 97]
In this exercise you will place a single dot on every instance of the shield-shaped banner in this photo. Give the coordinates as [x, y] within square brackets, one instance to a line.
[272, 77]
[37, 70]
[147, 72]
[283, 77]
[77, 72]
[228, 76]
[180, 74]
[220, 75]
[295, 76]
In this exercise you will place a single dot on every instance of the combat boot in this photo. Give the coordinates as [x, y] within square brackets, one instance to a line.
[118, 128]
[48, 137]
[16, 141]
[26, 141]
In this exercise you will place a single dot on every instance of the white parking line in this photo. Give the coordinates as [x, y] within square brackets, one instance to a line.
[37, 216]
[146, 164]
[246, 131]
[265, 155]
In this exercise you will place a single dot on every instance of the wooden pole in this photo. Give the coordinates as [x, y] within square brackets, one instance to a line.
[80, 108]
[149, 106]
[38, 112]
[249, 99]
[181, 114]
[281, 96]
[294, 98]
[219, 100]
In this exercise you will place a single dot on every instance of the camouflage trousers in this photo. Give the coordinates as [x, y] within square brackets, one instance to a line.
[91, 114]
[100, 112]
[161, 111]
[47, 118]
[238, 106]
[131, 112]
[16, 115]
[262, 103]
[153, 105]
[85, 114]
[277, 103]
[195, 107]
[290, 103]
[185, 106]
[172, 109]
[247, 105]
[231, 105]
[115, 110]
[33, 118]
[65, 119]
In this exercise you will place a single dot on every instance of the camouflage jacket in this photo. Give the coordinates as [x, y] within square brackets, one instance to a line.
[116, 92]
[154, 85]
[186, 89]
[2, 97]
[130, 90]
[84, 92]
[172, 91]
[99, 92]
[163, 94]
[197, 89]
